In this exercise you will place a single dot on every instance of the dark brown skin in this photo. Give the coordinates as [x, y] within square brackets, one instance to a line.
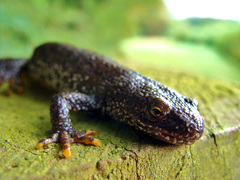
[91, 82]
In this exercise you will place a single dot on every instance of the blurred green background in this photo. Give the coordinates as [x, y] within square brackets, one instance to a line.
[137, 33]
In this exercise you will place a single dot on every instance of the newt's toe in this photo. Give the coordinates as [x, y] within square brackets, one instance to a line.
[52, 139]
[39, 145]
[96, 142]
[67, 152]
[84, 137]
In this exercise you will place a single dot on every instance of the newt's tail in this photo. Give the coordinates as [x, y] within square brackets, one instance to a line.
[11, 71]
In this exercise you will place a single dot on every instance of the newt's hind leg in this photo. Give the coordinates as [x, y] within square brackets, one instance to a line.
[62, 129]
[10, 72]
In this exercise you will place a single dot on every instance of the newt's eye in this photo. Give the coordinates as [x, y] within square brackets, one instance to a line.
[156, 112]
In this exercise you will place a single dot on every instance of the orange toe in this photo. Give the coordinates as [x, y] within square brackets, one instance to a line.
[96, 142]
[67, 152]
[39, 145]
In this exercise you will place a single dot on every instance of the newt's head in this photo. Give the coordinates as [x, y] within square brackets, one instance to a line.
[155, 109]
[177, 122]
[167, 115]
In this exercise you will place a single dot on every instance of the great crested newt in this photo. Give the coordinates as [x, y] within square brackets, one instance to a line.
[87, 81]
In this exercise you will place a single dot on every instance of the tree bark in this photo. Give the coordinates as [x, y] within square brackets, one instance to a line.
[125, 153]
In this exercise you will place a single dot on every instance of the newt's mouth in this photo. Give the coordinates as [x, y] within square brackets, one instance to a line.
[179, 137]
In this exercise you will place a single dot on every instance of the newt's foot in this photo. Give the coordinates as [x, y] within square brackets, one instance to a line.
[65, 139]
[10, 72]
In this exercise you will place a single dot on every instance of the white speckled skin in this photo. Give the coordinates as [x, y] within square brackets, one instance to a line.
[117, 91]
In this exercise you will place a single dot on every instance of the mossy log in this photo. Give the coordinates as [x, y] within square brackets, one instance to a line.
[125, 153]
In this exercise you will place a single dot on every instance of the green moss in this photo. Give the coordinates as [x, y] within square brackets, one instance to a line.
[25, 120]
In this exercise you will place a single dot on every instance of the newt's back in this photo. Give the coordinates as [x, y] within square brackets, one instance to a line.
[65, 68]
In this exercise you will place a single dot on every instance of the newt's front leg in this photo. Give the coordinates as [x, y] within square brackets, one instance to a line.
[62, 129]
